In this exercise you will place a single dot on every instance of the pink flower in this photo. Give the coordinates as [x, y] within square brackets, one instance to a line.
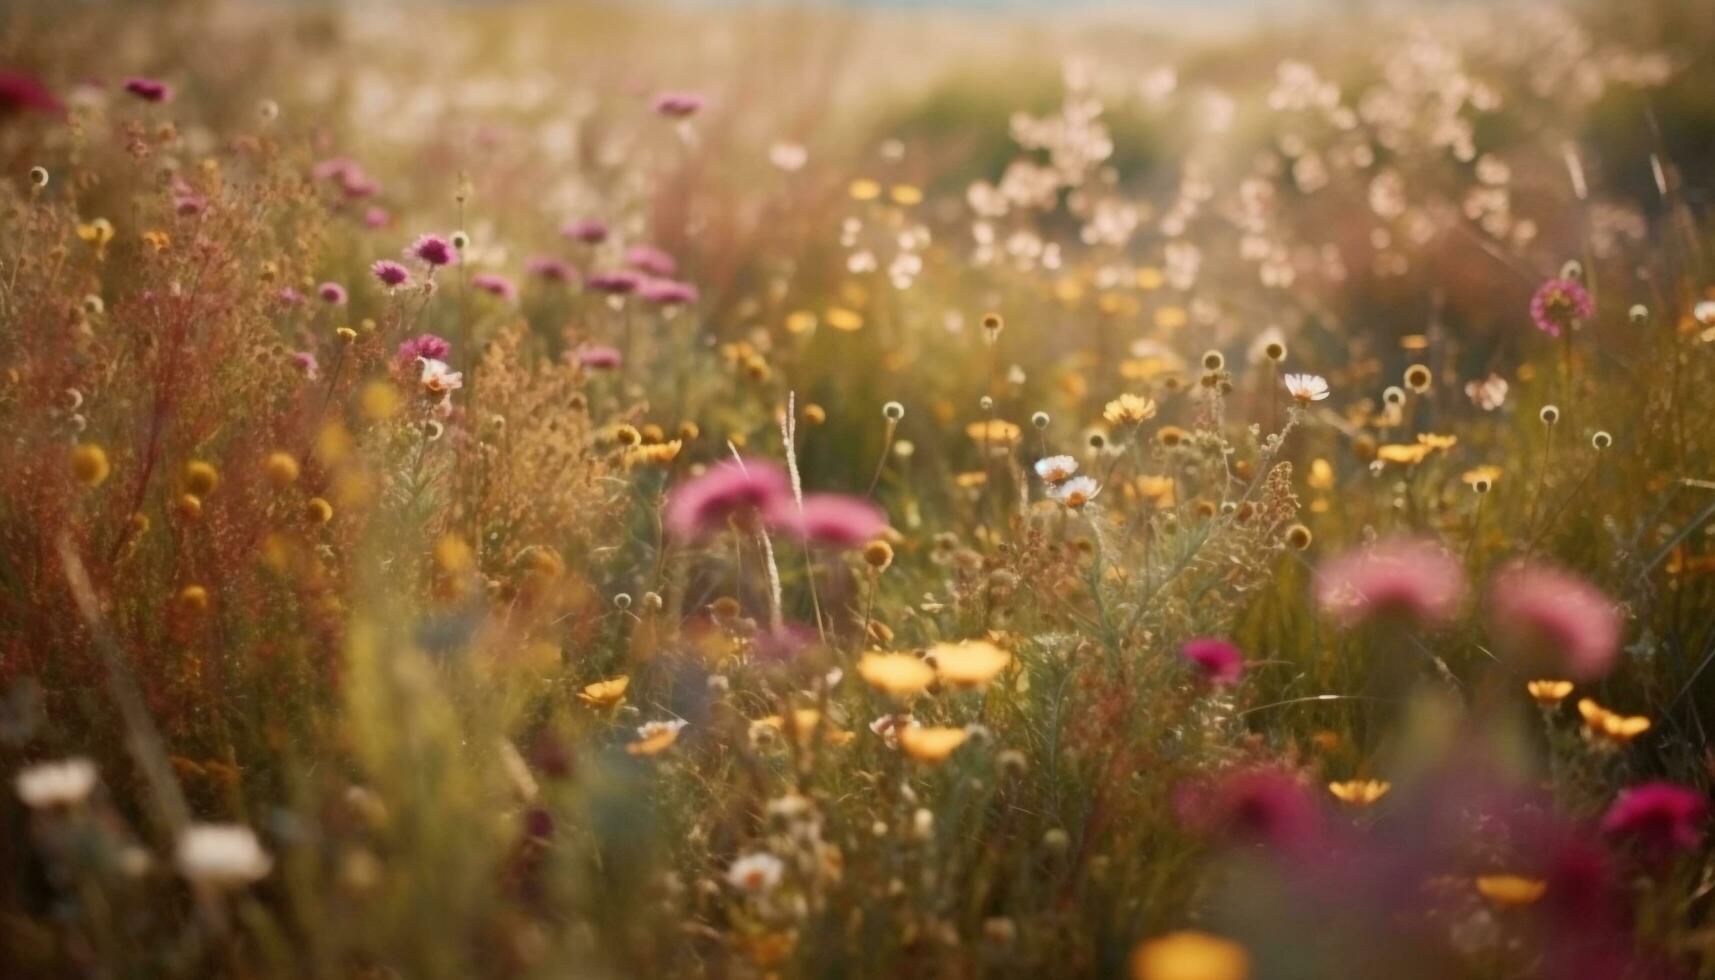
[494, 285]
[1220, 663]
[731, 489]
[433, 250]
[426, 346]
[148, 89]
[832, 519]
[549, 268]
[189, 204]
[1401, 577]
[588, 231]
[306, 364]
[24, 93]
[1662, 817]
[1558, 305]
[290, 296]
[331, 293]
[389, 273]
[1555, 622]
[377, 217]
[651, 260]
[614, 283]
[667, 292]
[1262, 805]
[598, 358]
[678, 105]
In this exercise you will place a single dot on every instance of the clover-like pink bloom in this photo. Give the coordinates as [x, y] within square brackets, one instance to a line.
[1661, 817]
[588, 231]
[1409, 578]
[735, 488]
[833, 519]
[678, 105]
[1555, 622]
[651, 260]
[149, 89]
[494, 285]
[1559, 304]
[549, 268]
[389, 273]
[1220, 663]
[667, 292]
[427, 346]
[599, 358]
[433, 250]
[331, 293]
[377, 217]
[306, 364]
[1259, 805]
[613, 283]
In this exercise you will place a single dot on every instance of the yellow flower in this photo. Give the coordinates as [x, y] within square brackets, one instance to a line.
[1129, 409]
[1360, 792]
[1321, 474]
[1510, 889]
[1436, 441]
[97, 233]
[655, 738]
[864, 189]
[89, 464]
[899, 674]
[653, 454]
[1156, 489]
[1487, 471]
[972, 663]
[905, 194]
[800, 321]
[1171, 317]
[1408, 454]
[805, 721]
[931, 744]
[1610, 725]
[995, 432]
[841, 318]
[1549, 693]
[281, 469]
[201, 478]
[158, 241]
[1190, 955]
[605, 694]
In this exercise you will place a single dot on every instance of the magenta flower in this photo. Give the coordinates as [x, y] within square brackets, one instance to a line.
[588, 231]
[1219, 662]
[494, 285]
[1262, 805]
[148, 89]
[651, 260]
[667, 292]
[739, 488]
[1661, 817]
[25, 93]
[332, 293]
[426, 346]
[1406, 578]
[678, 105]
[306, 364]
[1558, 305]
[613, 283]
[1554, 622]
[549, 268]
[598, 358]
[433, 251]
[389, 273]
[832, 519]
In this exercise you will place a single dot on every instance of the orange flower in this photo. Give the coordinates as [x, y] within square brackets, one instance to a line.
[1360, 792]
[1510, 889]
[1547, 693]
[931, 745]
[1190, 955]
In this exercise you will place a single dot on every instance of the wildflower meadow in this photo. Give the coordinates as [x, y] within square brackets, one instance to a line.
[630, 489]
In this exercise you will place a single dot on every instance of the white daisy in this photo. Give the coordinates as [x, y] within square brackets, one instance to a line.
[56, 784]
[1307, 387]
[1076, 492]
[438, 378]
[1056, 469]
[223, 855]
[755, 873]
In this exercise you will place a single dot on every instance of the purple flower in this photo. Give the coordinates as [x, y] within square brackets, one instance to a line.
[732, 489]
[306, 364]
[651, 260]
[433, 251]
[614, 283]
[24, 93]
[332, 293]
[1219, 662]
[426, 346]
[832, 519]
[494, 285]
[1402, 577]
[390, 274]
[1661, 817]
[598, 358]
[1558, 305]
[588, 231]
[549, 268]
[667, 292]
[148, 89]
[1554, 623]
[678, 105]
